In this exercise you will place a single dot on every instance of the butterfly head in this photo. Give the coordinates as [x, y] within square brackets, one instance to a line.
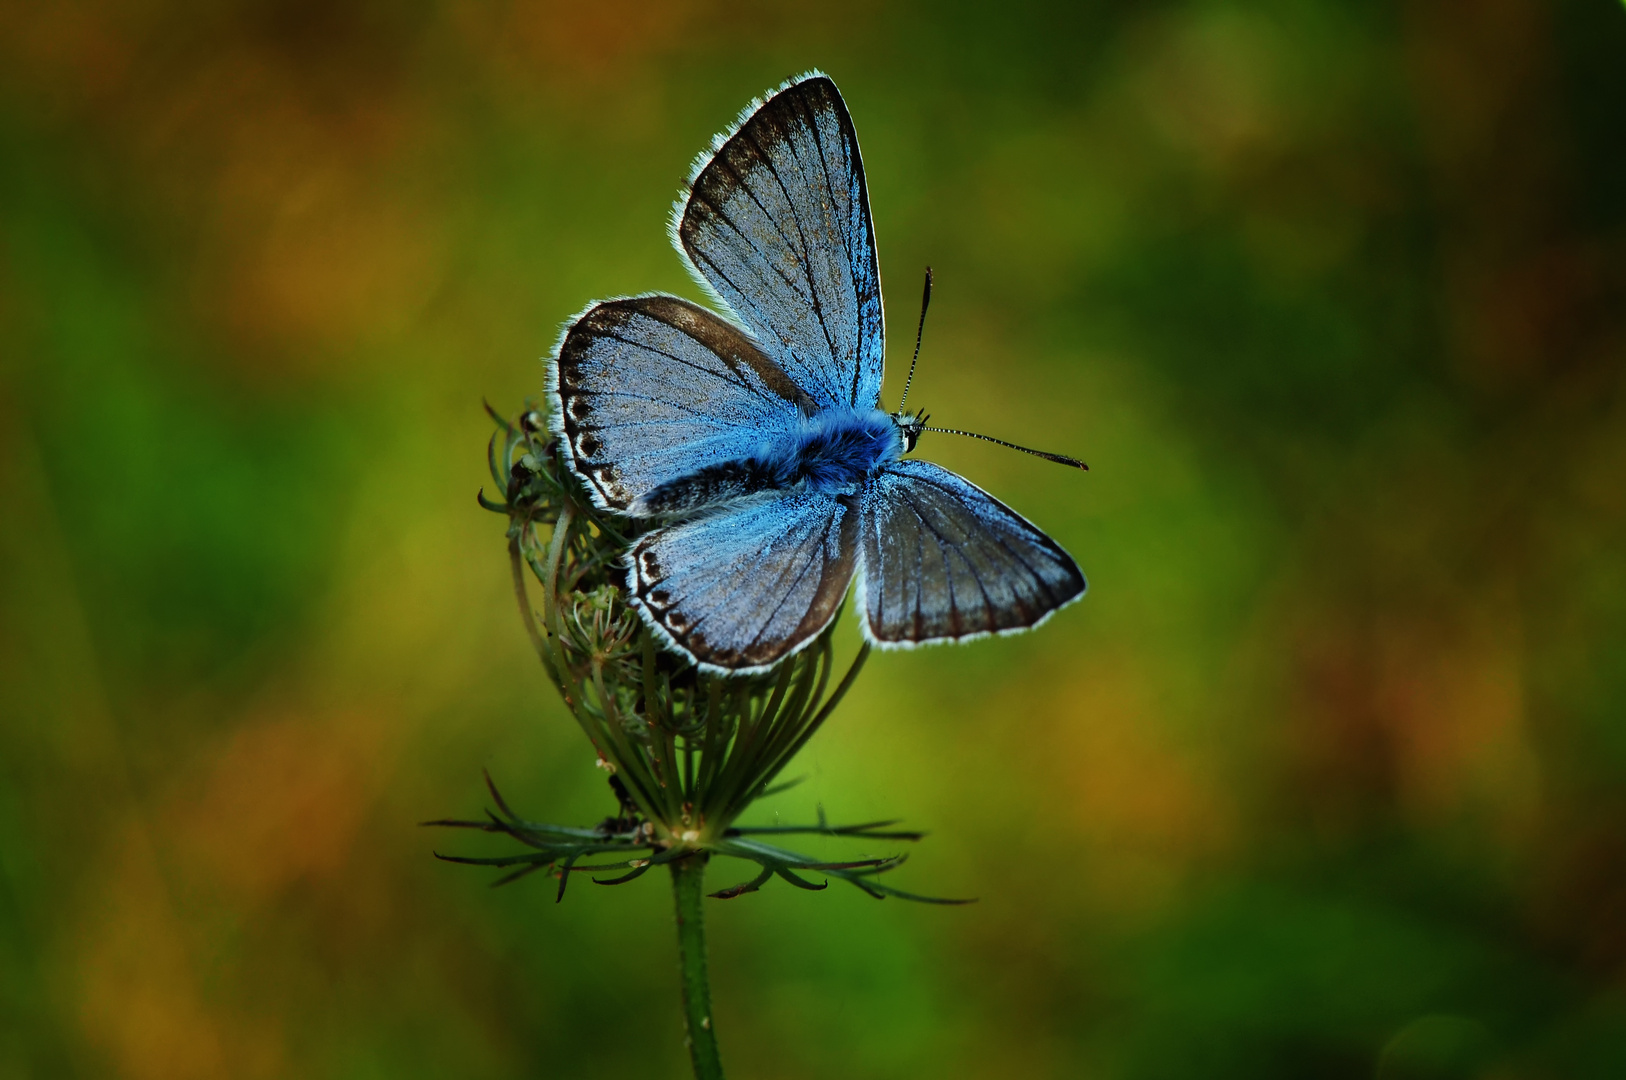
[910, 425]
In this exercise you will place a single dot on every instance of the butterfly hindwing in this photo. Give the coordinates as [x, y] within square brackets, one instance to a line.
[652, 388]
[777, 222]
[944, 560]
[744, 587]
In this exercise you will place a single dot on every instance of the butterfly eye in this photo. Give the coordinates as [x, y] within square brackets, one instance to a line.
[910, 427]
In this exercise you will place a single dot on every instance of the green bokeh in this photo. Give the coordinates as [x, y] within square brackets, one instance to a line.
[1323, 779]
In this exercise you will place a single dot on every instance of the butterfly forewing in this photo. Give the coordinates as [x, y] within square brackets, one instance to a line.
[653, 388]
[944, 560]
[745, 587]
[778, 223]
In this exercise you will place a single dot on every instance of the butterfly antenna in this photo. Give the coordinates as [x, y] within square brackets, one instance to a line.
[1059, 459]
[925, 302]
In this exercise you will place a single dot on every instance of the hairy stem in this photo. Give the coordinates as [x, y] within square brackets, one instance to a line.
[688, 888]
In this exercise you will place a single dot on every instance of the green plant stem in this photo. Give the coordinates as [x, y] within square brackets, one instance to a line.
[688, 889]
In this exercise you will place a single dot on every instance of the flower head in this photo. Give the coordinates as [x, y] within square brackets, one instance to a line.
[687, 751]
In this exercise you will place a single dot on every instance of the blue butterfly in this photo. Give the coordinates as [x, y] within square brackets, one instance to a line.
[755, 441]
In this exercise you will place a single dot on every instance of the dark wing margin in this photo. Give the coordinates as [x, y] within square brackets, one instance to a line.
[740, 590]
[776, 222]
[945, 561]
[647, 389]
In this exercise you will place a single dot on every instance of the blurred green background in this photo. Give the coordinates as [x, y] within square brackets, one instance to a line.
[1325, 778]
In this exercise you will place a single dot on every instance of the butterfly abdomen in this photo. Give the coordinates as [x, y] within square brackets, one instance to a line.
[712, 485]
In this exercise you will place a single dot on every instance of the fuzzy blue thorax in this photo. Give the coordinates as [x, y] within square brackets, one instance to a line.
[831, 453]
